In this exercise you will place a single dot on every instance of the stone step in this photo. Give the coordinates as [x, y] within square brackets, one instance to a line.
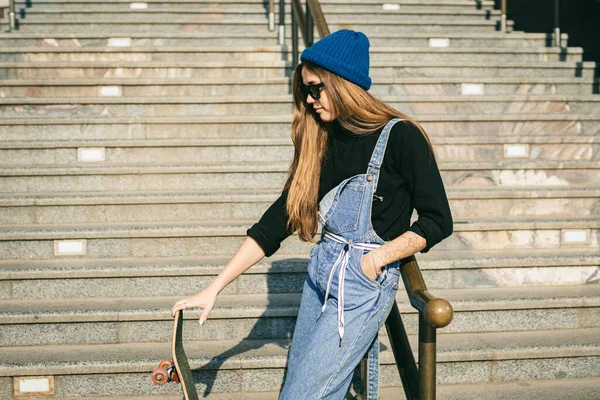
[276, 53]
[160, 54]
[278, 126]
[217, 238]
[441, 270]
[159, 39]
[250, 204]
[261, 38]
[56, 321]
[555, 389]
[234, 12]
[231, 70]
[250, 13]
[106, 25]
[263, 175]
[210, 70]
[280, 86]
[177, 106]
[224, 3]
[349, 7]
[273, 150]
[218, 3]
[258, 365]
[148, 24]
[459, 39]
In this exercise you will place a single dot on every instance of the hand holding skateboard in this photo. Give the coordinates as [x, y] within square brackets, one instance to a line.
[205, 300]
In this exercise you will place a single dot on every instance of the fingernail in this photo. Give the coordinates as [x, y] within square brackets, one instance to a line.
[201, 322]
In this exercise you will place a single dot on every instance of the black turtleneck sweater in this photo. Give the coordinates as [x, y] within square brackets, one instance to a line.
[409, 179]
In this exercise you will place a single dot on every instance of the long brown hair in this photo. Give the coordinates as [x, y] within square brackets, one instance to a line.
[357, 111]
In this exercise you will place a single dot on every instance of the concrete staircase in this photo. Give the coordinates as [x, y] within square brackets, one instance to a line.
[138, 144]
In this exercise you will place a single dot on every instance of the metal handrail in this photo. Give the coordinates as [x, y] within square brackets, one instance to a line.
[437, 312]
[306, 22]
[319, 18]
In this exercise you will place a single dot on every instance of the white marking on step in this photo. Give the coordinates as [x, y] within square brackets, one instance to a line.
[50, 42]
[119, 42]
[34, 385]
[575, 236]
[138, 6]
[470, 89]
[390, 7]
[25, 386]
[91, 154]
[516, 150]
[540, 275]
[439, 42]
[69, 247]
[110, 91]
[528, 177]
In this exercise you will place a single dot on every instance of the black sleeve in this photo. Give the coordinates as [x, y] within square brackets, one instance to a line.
[428, 196]
[271, 230]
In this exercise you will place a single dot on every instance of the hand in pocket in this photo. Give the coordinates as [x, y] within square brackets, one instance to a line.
[366, 263]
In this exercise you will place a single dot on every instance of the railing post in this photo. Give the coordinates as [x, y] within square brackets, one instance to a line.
[405, 360]
[11, 15]
[434, 313]
[310, 26]
[557, 23]
[503, 20]
[271, 15]
[427, 359]
[294, 39]
[282, 21]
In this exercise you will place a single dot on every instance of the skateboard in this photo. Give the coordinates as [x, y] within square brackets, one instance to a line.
[177, 370]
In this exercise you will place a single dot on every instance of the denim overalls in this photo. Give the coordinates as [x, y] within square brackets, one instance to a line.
[342, 309]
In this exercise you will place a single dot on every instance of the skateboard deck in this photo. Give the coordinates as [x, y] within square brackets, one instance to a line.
[177, 370]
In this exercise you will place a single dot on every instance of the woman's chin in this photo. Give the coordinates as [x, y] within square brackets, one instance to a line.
[325, 116]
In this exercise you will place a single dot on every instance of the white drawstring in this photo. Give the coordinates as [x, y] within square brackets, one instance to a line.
[342, 261]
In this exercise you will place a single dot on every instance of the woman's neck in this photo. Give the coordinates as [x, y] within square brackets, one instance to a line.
[339, 132]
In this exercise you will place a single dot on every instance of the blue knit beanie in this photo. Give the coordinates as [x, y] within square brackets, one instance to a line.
[345, 53]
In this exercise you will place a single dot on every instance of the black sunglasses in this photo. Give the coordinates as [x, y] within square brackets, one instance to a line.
[313, 90]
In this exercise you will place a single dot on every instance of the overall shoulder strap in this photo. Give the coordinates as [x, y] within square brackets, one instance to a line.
[379, 152]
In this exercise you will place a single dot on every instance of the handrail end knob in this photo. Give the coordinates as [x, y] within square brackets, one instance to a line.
[438, 313]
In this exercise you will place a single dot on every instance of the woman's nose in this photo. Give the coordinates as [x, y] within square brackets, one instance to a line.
[309, 99]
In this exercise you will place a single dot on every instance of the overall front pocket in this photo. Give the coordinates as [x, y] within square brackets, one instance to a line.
[346, 214]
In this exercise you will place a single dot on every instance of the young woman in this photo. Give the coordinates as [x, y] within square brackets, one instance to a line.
[360, 167]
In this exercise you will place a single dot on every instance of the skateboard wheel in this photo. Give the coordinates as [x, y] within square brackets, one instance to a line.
[160, 377]
[165, 364]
